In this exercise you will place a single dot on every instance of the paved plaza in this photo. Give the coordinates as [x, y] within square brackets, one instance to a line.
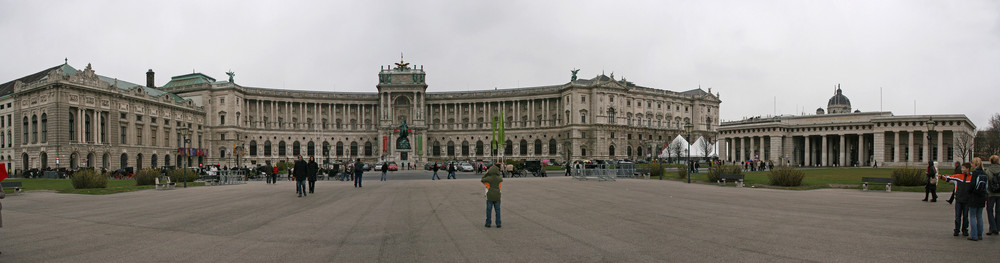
[553, 219]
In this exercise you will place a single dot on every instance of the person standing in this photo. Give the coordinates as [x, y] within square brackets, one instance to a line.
[313, 169]
[958, 170]
[385, 169]
[301, 170]
[451, 171]
[931, 187]
[359, 169]
[274, 174]
[568, 173]
[493, 183]
[977, 199]
[962, 206]
[993, 201]
[434, 167]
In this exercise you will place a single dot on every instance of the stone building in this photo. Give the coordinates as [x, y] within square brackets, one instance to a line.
[845, 138]
[113, 123]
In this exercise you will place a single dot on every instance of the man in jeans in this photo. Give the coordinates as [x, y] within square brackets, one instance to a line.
[385, 169]
[493, 182]
[359, 169]
[301, 172]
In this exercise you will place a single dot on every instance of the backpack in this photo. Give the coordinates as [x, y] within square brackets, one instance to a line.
[994, 183]
[979, 185]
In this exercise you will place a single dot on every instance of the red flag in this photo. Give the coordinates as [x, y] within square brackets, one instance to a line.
[3, 171]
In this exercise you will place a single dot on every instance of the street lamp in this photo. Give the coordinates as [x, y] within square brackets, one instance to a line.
[688, 127]
[185, 132]
[930, 128]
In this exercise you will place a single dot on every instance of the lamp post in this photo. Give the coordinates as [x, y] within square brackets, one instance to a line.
[688, 127]
[185, 132]
[930, 143]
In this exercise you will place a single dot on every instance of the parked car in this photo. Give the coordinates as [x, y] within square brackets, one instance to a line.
[378, 166]
[466, 167]
[367, 167]
[393, 166]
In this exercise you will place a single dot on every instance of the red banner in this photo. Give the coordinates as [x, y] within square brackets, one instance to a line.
[385, 143]
[3, 171]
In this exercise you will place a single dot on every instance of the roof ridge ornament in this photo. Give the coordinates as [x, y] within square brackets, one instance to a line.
[402, 65]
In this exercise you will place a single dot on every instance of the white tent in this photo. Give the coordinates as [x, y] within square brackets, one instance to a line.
[696, 148]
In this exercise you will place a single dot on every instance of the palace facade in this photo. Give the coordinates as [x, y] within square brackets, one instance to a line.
[839, 137]
[89, 120]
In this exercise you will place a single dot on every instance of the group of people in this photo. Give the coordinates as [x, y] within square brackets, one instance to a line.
[976, 186]
[303, 172]
[450, 167]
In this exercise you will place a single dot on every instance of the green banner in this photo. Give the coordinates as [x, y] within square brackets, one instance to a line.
[419, 144]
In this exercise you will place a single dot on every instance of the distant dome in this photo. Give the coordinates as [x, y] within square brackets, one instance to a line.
[839, 103]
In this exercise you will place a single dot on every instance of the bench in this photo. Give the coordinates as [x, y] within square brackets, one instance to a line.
[211, 180]
[642, 173]
[866, 180]
[735, 178]
[164, 186]
[15, 184]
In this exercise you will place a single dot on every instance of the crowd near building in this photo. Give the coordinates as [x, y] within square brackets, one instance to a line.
[70, 118]
[840, 137]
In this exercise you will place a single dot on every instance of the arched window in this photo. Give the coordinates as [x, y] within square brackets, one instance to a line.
[24, 128]
[708, 123]
[552, 147]
[611, 151]
[583, 152]
[138, 162]
[523, 147]
[166, 160]
[311, 148]
[222, 119]
[538, 147]
[340, 148]
[611, 115]
[87, 128]
[267, 148]
[72, 124]
[479, 148]
[73, 161]
[152, 161]
[282, 148]
[45, 128]
[508, 148]
[465, 148]
[451, 148]
[628, 151]
[253, 148]
[296, 149]
[326, 148]
[583, 116]
[124, 160]
[369, 149]
[354, 148]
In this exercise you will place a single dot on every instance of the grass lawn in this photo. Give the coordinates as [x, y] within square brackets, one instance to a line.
[66, 186]
[849, 178]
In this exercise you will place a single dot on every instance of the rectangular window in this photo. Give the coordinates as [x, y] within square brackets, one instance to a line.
[123, 116]
[629, 136]
[612, 135]
[152, 136]
[138, 135]
[583, 98]
[124, 130]
[152, 120]
[222, 101]
[222, 136]
[138, 117]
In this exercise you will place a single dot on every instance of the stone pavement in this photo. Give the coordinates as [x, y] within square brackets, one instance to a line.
[554, 219]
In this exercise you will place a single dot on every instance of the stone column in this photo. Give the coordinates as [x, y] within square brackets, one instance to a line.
[861, 150]
[843, 151]
[940, 151]
[776, 149]
[927, 148]
[824, 155]
[808, 149]
[878, 146]
[909, 147]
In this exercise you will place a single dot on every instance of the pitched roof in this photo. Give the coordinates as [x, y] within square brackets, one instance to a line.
[8, 88]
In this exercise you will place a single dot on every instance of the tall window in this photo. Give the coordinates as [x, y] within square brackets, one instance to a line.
[296, 148]
[72, 124]
[124, 139]
[45, 128]
[281, 148]
[104, 129]
[253, 148]
[138, 135]
[222, 119]
[552, 147]
[34, 128]
[368, 149]
[267, 148]
[25, 129]
[87, 128]
[152, 137]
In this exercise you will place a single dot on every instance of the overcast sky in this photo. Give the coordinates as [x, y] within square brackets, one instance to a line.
[943, 55]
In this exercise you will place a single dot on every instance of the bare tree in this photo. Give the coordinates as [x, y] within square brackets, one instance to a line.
[964, 144]
[988, 140]
[707, 146]
[676, 148]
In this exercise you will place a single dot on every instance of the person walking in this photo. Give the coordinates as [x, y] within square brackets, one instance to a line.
[301, 171]
[451, 171]
[493, 183]
[313, 169]
[385, 169]
[931, 187]
[434, 167]
[993, 200]
[359, 169]
[568, 173]
[962, 206]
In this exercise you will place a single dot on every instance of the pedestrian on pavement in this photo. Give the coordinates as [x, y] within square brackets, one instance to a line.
[958, 170]
[301, 171]
[451, 171]
[359, 169]
[568, 173]
[274, 174]
[313, 169]
[931, 187]
[977, 200]
[434, 167]
[385, 169]
[993, 201]
[493, 183]
[962, 206]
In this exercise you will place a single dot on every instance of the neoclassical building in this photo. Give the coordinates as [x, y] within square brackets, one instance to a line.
[839, 137]
[194, 119]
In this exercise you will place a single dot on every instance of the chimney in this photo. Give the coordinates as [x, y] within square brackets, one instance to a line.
[149, 79]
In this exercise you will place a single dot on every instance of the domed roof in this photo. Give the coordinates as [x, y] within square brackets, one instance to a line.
[839, 99]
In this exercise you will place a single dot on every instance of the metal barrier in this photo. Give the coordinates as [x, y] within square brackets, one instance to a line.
[603, 173]
[229, 177]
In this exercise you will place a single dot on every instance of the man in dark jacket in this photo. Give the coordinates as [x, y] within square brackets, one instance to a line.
[359, 169]
[434, 167]
[977, 201]
[451, 171]
[493, 183]
[299, 171]
[385, 169]
[311, 172]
